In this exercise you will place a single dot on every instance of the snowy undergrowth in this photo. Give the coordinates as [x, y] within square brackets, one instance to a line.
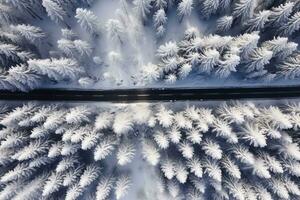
[183, 150]
[147, 43]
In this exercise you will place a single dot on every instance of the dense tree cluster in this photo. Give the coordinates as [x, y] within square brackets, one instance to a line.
[27, 55]
[222, 56]
[246, 39]
[236, 150]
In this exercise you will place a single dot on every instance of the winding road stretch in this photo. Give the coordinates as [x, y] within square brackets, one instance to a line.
[168, 94]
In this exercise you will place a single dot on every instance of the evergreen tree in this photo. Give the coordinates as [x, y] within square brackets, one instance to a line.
[56, 69]
[258, 59]
[83, 47]
[160, 3]
[88, 21]
[280, 14]
[185, 8]
[115, 30]
[258, 21]
[122, 186]
[227, 65]
[225, 4]
[22, 78]
[142, 7]
[209, 59]
[54, 10]
[7, 14]
[244, 9]
[160, 20]
[66, 46]
[224, 23]
[151, 72]
[104, 188]
[246, 44]
[31, 33]
[209, 7]
[289, 68]
[292, 25]
[170, 49]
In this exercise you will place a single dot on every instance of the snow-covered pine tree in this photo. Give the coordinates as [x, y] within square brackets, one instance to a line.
[279, 15]
[208, 60]
[123, 123]
[184, 70]
[150, 152]
[185, 8]
[31, 33]
[209, 7]
[225, 4]
[258, 59]
[88, 21]
[115, 30]
[75, 48]
[104, 188]
[11, 54]
[227, 64]
[104, 148]
[160, 3]
[122, 185]
[7, 14]
[142, 7]
[68, 34]
[280, 47]
[258, 21]
[290, 68]
[291, 26]
[56, 69]
[8, 53]
[54, 11]
[66, 46]
[25, 6]
[276, 45]
[224, 23]
[125, 153]
[150, 73]
[244, 9]
[170, 49]
[83, 47]
[246, 43]
[21, 78]
[160, 19]
[288, 50]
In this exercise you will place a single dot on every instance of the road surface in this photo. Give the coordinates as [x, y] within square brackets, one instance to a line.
[131, 95]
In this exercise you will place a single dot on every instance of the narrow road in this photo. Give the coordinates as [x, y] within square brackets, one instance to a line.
[170, 94]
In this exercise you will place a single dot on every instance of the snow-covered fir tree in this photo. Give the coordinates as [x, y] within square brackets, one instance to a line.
[292, 25]
[160, 20]
[185, 8]
[142, 7]
[54, 10]
[88, 20]
[224, 23]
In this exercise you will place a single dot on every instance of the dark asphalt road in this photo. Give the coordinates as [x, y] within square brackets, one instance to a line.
[154, 94]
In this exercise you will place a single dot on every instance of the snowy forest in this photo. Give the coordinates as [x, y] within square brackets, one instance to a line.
[237, 150]
[121, 149]
[147, 43]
